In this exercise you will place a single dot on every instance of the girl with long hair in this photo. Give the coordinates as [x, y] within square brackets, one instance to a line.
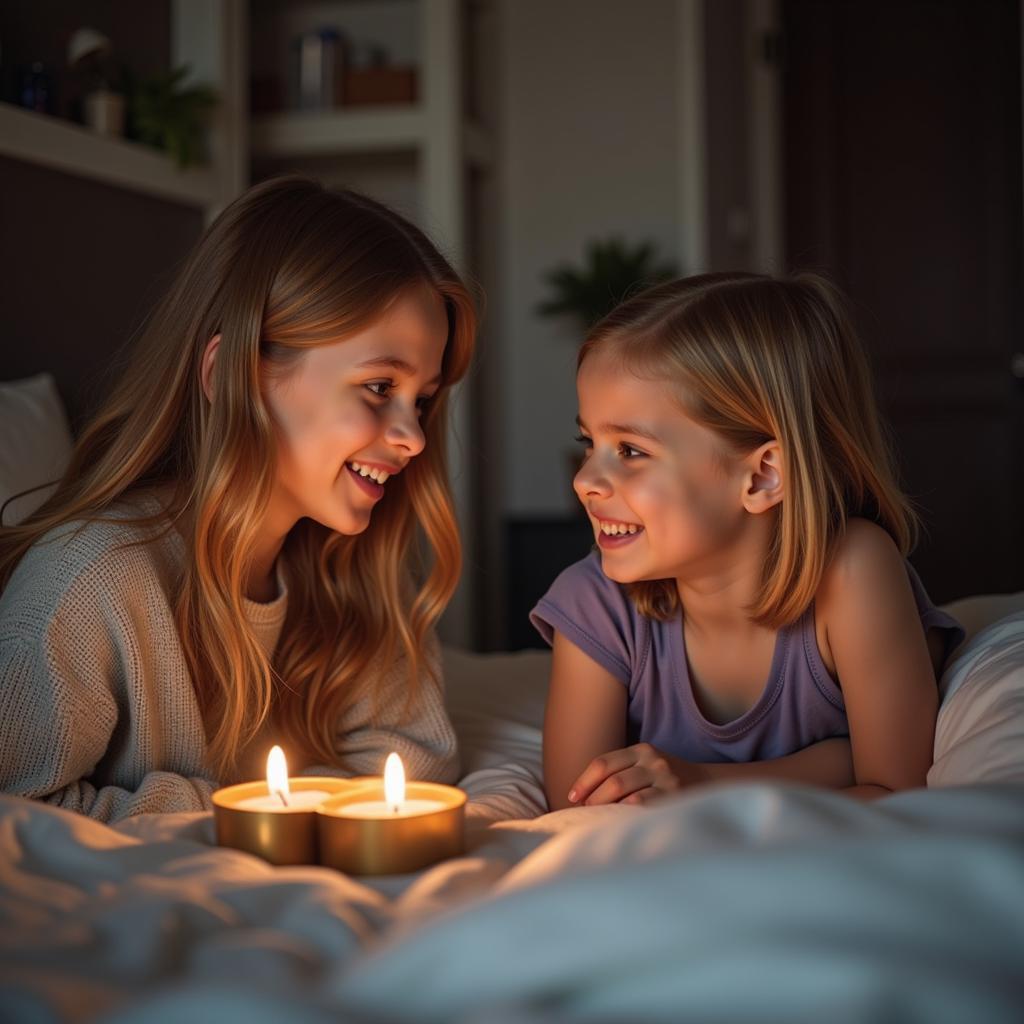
[749, 612]
[232, 556]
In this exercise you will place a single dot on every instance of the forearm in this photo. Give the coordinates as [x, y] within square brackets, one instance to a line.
[158, 793]
[828, 763]
[867, 792]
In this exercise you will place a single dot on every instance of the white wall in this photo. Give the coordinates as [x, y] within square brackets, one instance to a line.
[588, 145]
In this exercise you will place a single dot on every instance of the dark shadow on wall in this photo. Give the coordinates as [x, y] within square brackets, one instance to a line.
[81, 266]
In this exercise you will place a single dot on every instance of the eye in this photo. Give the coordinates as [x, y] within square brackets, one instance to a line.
[583, 440]
[384, 385]
[422, 402]
[628, 451]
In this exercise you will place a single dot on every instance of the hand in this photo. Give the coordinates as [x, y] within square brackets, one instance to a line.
[634, 775]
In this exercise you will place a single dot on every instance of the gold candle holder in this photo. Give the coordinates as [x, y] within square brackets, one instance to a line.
[280, 835]
[362, 833]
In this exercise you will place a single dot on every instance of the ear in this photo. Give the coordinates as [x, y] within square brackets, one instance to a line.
[763, 486]
[206, 367]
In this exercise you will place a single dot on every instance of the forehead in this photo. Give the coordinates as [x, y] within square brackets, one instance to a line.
[413, 330]
[418, 314]
[612, 397]
[608, 391]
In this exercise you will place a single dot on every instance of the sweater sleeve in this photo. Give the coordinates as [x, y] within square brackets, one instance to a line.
[375, 726]
[55, 728]
[75, 665]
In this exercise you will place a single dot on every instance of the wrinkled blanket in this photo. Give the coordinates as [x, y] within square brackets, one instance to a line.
[722, 905]
[732, 903]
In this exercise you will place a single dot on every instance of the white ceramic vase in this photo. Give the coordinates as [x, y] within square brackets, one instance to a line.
[104, 112]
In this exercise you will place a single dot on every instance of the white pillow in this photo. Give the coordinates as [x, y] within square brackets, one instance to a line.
[35, 443]
[979, 736]
[496, 703]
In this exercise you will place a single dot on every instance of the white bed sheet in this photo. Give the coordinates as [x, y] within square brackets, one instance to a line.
[742, 903]
[726, 904]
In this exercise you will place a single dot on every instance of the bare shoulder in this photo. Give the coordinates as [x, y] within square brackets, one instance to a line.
[865, 564]
[866, 582]
[881, 658]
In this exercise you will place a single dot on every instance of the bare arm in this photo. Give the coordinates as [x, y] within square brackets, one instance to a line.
[639, 773]
[828, 763]
[883, 662]
[585, 717]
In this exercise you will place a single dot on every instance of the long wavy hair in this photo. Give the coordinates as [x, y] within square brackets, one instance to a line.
[287, 266]
[756, 358]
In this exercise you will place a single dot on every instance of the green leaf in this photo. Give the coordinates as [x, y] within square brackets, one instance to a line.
[170, 117]
[612, 270]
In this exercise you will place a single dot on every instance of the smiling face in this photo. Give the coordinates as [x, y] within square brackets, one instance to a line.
[347, 415]
[663, 493]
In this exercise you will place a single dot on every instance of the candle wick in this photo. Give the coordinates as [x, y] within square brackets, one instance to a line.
[394, 808]
[284, 800]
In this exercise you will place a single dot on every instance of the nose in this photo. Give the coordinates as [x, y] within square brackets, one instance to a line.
[591, 482]
[403, 431]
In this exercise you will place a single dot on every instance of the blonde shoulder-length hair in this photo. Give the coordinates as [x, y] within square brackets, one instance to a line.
[287, 266]
[755, 359]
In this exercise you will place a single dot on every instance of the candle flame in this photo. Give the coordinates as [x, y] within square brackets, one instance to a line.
[277, 774]
[394, 782]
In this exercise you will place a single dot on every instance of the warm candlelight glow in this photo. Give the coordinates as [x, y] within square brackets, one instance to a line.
[394, 782]
[275, 818]
[390, 828]
[277, 774]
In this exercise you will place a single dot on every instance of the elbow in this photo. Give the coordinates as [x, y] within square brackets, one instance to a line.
[557, 801]
[907, 778]
[894, 777]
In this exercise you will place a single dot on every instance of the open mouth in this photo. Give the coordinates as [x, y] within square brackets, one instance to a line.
[613, 535]
[368, 479]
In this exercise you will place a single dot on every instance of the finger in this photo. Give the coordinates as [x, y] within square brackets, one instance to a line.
[620, 785]
[597, 771]
[642, 796]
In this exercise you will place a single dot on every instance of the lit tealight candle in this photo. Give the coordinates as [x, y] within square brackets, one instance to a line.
[280, 796]
[391, 829]
[275, 819]
[394, 804]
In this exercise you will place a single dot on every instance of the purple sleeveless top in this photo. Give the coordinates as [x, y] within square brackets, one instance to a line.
[800, 704]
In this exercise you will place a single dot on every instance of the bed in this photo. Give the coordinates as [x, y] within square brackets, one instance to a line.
[729, 903]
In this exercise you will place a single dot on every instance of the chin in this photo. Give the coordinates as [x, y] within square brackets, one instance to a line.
[347, 526]
[634, 574]
[620, 574]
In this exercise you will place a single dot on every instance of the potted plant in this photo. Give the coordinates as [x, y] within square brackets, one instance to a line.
[612, 270]
[170, 116]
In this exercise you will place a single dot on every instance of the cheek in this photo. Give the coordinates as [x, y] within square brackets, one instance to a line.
[713, 510]
[348, 428]
[653, 497]
[318, 434]
[682, 503]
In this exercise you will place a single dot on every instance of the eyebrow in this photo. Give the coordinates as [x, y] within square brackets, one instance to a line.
[395, 363]
[622, 428]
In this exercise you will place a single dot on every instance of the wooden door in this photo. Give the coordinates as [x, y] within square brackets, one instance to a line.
[903, 181]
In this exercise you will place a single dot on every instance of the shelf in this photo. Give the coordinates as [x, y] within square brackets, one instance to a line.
[337, 132]
[346, 132]
[73, 149]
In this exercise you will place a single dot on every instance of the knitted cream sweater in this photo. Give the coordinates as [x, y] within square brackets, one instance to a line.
[97, 709]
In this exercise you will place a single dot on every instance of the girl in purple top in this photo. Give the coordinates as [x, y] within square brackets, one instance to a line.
[750, 612]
